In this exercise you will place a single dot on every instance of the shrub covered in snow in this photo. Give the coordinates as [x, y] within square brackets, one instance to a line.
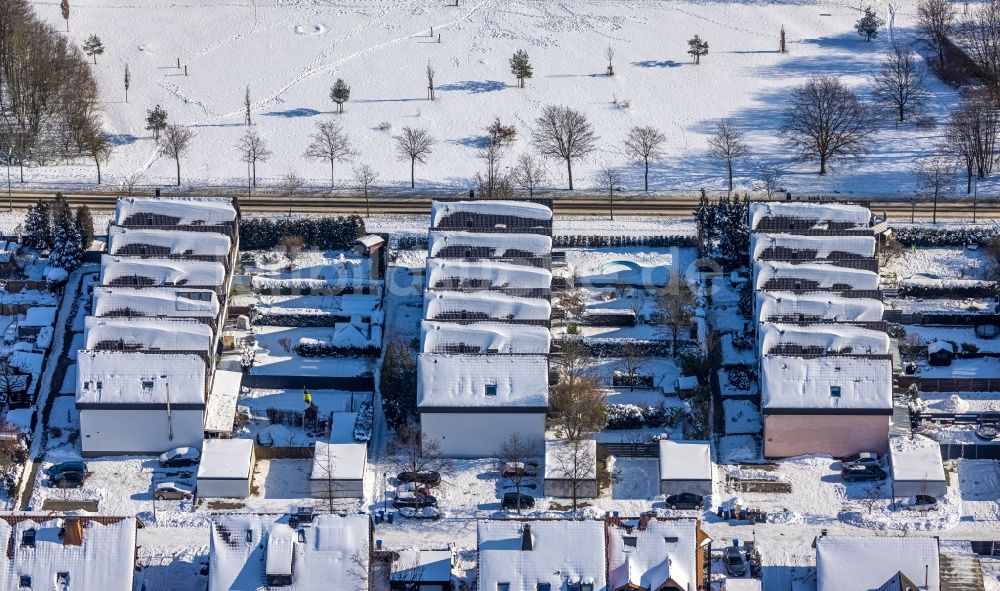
[363, 423]
[328, 233]
[626, 347]
[320, 348]
[920, 236]
[739, 376]
[280, 317]
[742, 342]
[633, 416]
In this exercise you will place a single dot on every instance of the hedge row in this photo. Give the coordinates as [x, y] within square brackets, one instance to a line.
[327, 233]
[917, 236]
[623, 348]
[632, 416]
[567, 241]
[321, 349]
[324, 320]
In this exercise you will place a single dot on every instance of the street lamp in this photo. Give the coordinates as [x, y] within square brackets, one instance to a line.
[385, 493]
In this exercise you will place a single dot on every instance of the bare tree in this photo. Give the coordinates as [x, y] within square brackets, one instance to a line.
[608, 178]
[768, 179]
[633, 360]
[411, 452]
[293, 245]
[493, 183]
[575, 461]
[972, 134]
[935, 177]
[129, 181]
[935, 24]
[528, 173]
[727, 145]
[561, 132]
[430, 82]
[330, 143]
[871, 497]
[981, 40]
[898, 81]
[644, 144]
[253, 149]
[366, 181]
[359, 567]
[96, 142]
[827, 121]
[609, 54]
[577, 407]
[12, 381]
[330, 486]
[415, 145]
[175, 142]
[517, 452]
[246, 107]
[290, 185]
[676, 304]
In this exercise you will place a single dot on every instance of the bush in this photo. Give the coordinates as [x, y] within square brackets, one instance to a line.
[282, 416]
[693, 362]
[572, 328]
[740, 376]
[574, 241]
[920, 236]
[969, 348]
[633, 416]
[363, 424]
[316, 348]
[326, 233]
[412, 242]
[742, 342]
[398, 384]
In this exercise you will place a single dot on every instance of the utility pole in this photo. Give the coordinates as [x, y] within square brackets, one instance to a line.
[10, 200]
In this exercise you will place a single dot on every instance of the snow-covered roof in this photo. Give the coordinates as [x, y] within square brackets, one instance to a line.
[916, 459]
[521, 209]
[370, 240]
[493, 337]
[162, 271]
[342, 457]
[732, 584]
[818, 213]
[661, 551]
[496, 306]
[562, 460]
[830, 338]
[826, 383]
[226, 459]
[868, 562]
[482, 381]
[95, 551]
[825, 275]
[170, 302]
[178, 242]
[685, 460]
[826, 306]
[938, 346]
[862, 246]
[220, 411]
[151, 334]
[190, 211]
[932, 281]
[500, 245]
[114, 378]
[561, 551]
[414, 565]
[240, 542]
[39, 316]
[499, 275]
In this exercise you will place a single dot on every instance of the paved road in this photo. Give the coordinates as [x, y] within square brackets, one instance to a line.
[564, 205]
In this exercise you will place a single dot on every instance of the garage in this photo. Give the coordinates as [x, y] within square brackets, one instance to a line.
[917, 467]
[226, 469]
[685, 467]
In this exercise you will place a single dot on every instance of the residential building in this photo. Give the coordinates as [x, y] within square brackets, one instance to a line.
[657, 554]
[872, 562]
[541, 555]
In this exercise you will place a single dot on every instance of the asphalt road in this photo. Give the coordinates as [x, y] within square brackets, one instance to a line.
[563, 205]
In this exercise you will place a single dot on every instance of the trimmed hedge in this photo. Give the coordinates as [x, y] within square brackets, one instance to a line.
[326, 233]
[571, 241]
[632, 416]
[917, 236]
[321, 349]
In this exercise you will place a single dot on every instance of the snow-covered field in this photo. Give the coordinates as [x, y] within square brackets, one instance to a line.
[291, 52]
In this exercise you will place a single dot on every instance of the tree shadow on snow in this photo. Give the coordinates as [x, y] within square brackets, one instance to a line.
[474, 86]
[121, 139]
[291, 113]
[473, 141]
[657, 64]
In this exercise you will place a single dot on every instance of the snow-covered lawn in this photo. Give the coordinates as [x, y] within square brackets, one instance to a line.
[742, 417]
[290, 53]
[274, 269]
[952, 262]
[987, 367]
[274, 359]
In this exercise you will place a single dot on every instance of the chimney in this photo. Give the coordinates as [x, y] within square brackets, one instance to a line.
[72, 532]
[526, 543]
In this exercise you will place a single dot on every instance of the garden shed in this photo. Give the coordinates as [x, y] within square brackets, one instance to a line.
[940, 353]
[426, 570]
[917, 467]
[338, 469]
[226, 468]
[566, 463]
[685, 467]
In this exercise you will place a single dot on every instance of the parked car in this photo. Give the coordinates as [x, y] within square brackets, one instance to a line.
[55, 470]
[413, 500]
[510, 501]
[425, 513]
[685, 501]
[428, 477]
[68, 480]
[857, 473]
[414, 487]
[172, 491]
[735, 567]
[866, 458]
[519, 469]
[924, 503]
[180, 457]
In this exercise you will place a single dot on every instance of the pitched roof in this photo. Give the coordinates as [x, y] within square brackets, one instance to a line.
[170, 302]
[826, 306]
[811, 384]
[500, 245]
[190, 211]
[663, 550]
[499, 275]
[818, 213]
[162, 271]
[862, 246]
[831, 338]
[240, 546]
[868, 562]
[152, 334]
[825, 275]
[482, 381]
[103, 559]
[561, 551]
[492, 337]
[493, 305]
[179, 242]
[109, 377]
[521, 209]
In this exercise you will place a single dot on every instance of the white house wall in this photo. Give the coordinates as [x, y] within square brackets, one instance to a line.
[480, 435]
[138, 431]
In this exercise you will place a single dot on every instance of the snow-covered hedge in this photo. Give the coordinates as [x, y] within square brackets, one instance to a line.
[412, 242]
[327, 233]
[739, 376]
[569, 241]
[626, 347]
[918, 236]
[363, 423]
[624, 380]
[281, 317]
[633, 416]
[318, 348]
[743, 342]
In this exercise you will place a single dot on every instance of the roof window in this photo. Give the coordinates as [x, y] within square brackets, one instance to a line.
[835, 391]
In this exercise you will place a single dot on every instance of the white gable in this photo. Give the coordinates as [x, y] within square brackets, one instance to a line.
[658, 552]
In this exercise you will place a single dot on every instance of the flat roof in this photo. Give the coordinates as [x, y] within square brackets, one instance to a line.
[226, 459]
[221, 407]
[341, 458]
[685, 460]
[916, 459]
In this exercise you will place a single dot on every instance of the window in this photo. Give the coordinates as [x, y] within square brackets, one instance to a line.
[544, 587]
[491, 389]
[62, 580]
[503, 586]
[249, 537]
[147, 384]
[25, 581]
[28, 537]
[587, 587]
[835, 391]
[630, 542]
[573, 587]
[670, 539]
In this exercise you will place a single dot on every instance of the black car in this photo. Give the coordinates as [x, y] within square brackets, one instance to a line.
[734, 562]
[56, 470]
[685, 501]
[858, 473]
[510, 501]
[428, 477]
[413, 500]
[68, 480]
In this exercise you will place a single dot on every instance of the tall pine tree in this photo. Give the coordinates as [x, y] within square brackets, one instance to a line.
[66, 252]
[704, 215]
[38, 227]
[84, 222]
